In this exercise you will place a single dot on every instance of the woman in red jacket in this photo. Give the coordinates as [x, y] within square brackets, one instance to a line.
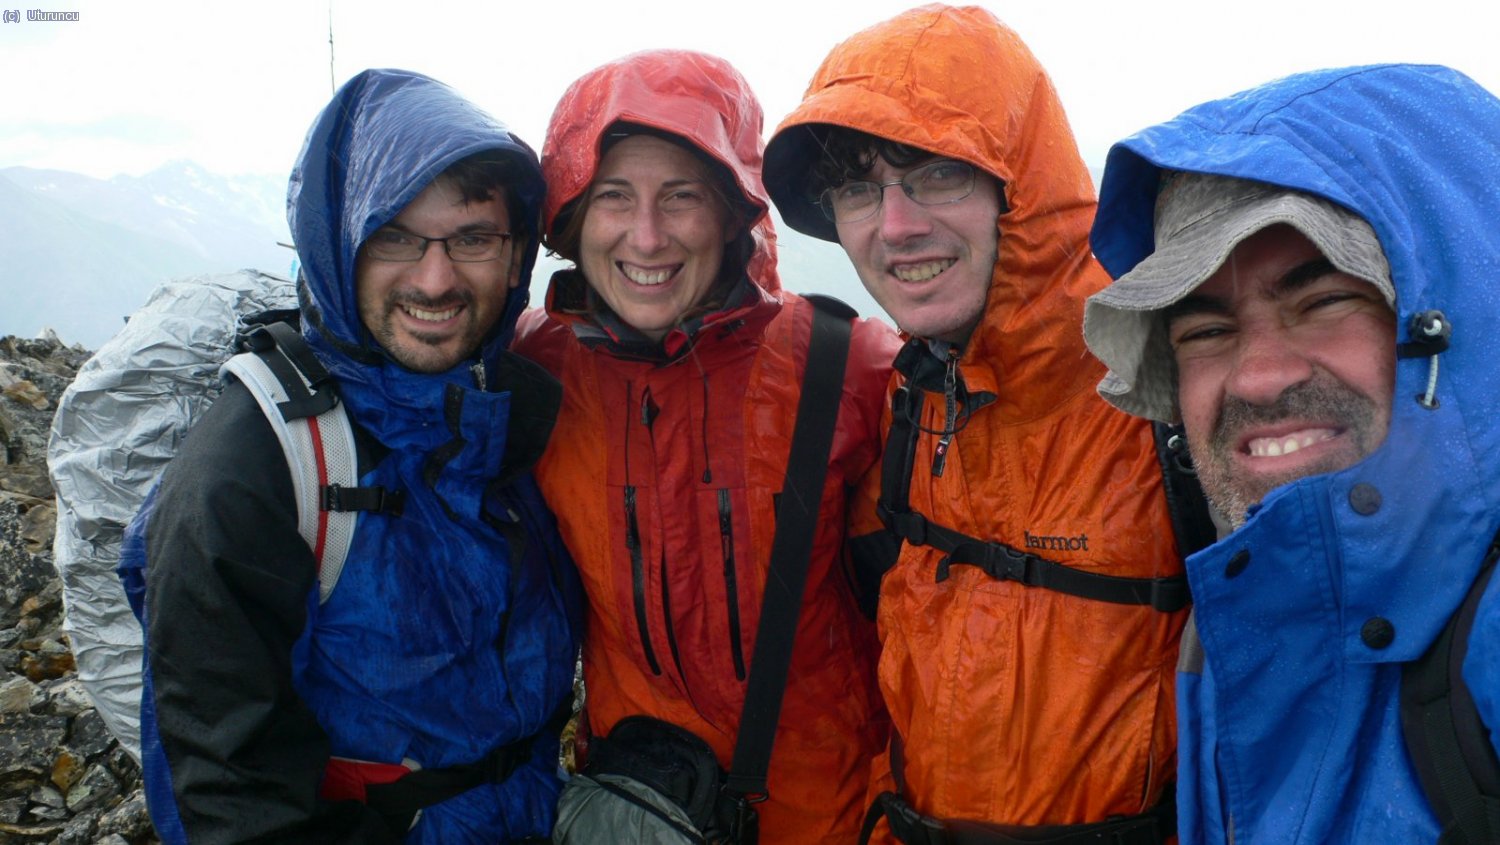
[681, 359]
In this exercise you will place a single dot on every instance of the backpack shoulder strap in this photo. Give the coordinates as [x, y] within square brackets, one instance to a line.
[1003, 561]
[1449, 744]
[296, 394]
[1186, 504]
[796, 519]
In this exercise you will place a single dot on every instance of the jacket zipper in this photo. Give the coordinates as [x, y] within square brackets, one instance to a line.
[731, 585]
[638, 577]
[950, 407]
[633, 542]
[649, 410]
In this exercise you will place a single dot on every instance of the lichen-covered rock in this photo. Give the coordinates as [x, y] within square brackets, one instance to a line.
[91, 740]
[64, 780]
[18, 695]
[22, 574]
[80, 830]
[97, 788]
[27, 745]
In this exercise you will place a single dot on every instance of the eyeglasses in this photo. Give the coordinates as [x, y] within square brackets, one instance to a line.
[396, 245]
[938, 183]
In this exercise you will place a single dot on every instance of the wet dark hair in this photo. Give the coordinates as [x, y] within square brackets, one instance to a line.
[567, 234]
[491, 173]
[850, 153]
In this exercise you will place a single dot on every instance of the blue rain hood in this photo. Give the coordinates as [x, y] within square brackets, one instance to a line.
[1296, 722]
[382, 139]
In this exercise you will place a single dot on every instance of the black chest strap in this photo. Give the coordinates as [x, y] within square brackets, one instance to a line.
[1449, 744]
[994, 558]
[1153, 827]
[399, 801]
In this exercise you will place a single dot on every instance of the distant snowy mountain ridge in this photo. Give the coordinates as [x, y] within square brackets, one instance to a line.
[79, 254]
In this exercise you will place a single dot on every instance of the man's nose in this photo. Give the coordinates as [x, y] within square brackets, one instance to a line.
[901, 217]
[1267, 362]
[434, 273]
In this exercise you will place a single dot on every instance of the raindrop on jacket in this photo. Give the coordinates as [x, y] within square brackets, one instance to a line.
[448, 634]
[665, 470]
[1014, 704]
[1290, 726]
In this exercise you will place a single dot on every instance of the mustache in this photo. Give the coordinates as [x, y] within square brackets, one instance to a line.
[1317, 400]
[416, 299]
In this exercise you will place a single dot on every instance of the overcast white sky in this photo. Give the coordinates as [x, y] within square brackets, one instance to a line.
[234, 85]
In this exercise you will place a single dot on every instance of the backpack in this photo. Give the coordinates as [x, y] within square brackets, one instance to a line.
[125, 416]
[1449, 744]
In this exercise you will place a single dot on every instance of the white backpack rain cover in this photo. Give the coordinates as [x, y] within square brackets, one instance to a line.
[116, 427]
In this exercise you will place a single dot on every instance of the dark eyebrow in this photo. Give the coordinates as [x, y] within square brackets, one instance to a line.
[1304, 274]
[1195, 303]
[475, 227]
[1292, 281]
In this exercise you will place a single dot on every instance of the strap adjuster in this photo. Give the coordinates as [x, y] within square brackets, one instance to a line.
[910, 526]
[337, 497]
[910, 826]
[1170, 595]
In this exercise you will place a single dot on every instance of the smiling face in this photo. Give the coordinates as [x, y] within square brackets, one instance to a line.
[653, 233]
[928, 266]
[1286, 369]
[432, 313]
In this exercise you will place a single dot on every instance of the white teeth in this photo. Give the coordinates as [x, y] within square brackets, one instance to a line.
[1271, 447]
[921, 272]
[430, 316]
[645, 277]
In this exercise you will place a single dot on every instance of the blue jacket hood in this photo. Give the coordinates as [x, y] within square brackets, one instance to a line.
[1415, 151]
[381, 140]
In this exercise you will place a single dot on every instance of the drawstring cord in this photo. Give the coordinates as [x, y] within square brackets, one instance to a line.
[1433, 328]
[1430, 333]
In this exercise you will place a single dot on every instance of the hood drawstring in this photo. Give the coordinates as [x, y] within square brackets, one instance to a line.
[477, 368]
[1430, 333]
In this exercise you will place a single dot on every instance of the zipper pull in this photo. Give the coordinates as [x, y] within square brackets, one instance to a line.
[950, 412]
[648, 408]
[477, 368]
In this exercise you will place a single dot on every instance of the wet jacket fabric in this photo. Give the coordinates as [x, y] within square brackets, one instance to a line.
[448, 633]
[1013, 705]
[667, 463]
[1290, 718]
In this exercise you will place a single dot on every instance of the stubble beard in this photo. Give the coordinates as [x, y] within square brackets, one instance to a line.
[419, 351]
[1231, 492]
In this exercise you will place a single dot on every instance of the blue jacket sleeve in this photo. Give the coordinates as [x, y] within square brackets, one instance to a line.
[228, 585]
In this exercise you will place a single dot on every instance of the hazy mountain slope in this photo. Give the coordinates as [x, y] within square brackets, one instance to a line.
[78, 254]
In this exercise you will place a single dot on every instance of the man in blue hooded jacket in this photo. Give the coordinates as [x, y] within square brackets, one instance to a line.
[1305, 279]
[447, 647]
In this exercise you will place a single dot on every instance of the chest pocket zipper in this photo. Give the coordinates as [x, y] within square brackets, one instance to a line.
[731, 583]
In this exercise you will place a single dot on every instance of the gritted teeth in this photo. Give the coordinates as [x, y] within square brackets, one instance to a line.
[1271, 447]
[642, 276]
[921, 272]
[430, 316]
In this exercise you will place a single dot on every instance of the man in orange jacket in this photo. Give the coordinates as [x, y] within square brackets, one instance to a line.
[1030, 617]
